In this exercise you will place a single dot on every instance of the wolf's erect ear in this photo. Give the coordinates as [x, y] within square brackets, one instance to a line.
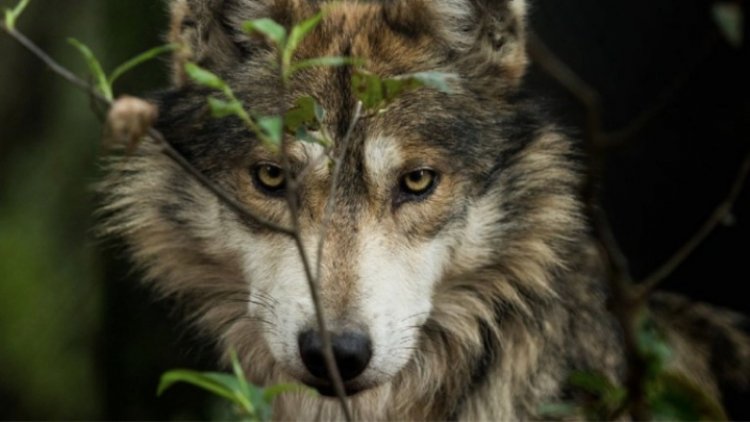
[489, 36]
[210, 31]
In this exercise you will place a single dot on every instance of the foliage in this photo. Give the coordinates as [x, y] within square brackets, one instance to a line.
[669, 396]
[11, 15]
[105, 83]
[251, 403]
[730, 20]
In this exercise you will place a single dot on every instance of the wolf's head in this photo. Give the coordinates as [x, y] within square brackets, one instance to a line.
[453, 210]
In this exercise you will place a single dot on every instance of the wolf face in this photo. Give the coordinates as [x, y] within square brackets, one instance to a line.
[443, 270]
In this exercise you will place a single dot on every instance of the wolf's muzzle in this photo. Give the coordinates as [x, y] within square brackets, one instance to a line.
[352, 351]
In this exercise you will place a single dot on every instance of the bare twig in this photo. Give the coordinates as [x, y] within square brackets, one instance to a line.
[568, 79]
[620, 280]
[166, 147]
[335, 181]
[168, 150]
[52, 64]
[722, 211]
[590, 98]
[314, 280]
[629, 299]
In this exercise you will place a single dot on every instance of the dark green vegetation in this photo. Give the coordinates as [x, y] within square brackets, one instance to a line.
[73, 346]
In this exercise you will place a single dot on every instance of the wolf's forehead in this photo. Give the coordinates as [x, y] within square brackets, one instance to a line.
[364, 30]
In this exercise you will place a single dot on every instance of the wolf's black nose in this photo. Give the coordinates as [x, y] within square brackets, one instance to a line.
[352, 352]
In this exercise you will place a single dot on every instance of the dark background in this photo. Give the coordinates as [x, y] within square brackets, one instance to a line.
[80, 339]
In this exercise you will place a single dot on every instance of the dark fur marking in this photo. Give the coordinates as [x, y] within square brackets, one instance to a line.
[343, 80]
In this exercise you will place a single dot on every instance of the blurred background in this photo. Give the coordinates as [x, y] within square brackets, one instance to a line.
[81, 339]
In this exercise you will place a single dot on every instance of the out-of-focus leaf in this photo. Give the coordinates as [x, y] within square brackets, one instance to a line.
[607, 396]
[368, 88]
[270, 393]
[436, 80]
[590, 382]
[556, 411]
[268, 28]
[139, 60]
[223, 385]
[95, 68]
[331, 61]
[221, 108]
[205, 78]
[304, 135]
[12, 15]
[729, 18]
[299, 32]
[674, 397]
[302, 114]
[376, 93]
[652, 345]
[273, 129]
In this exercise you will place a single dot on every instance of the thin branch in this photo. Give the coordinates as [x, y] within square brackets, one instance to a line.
[335, 181]
[590, 98]
[168, 150]
[568, 79]
[619, 137]
[52, 64]
[720, 213]
[627, 298]
[312, 282]
[166, 147]
[619, 278]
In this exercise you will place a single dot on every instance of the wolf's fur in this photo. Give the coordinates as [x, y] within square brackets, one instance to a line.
[479, 299]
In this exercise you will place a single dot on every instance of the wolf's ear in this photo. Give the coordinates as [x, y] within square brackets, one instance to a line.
[209, 32]
[491, 34]
[488, 36]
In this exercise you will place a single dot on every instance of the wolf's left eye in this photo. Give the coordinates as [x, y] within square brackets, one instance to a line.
[269, 178]
[419, 183]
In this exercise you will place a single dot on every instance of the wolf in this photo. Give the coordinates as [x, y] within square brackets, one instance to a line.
[458, 274]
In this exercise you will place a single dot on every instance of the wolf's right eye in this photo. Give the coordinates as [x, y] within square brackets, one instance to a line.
[269, 178]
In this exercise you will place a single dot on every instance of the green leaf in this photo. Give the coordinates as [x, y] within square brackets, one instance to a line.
[729, 18]
[221, 108]
[590, 382]
[95, 68]
[302, 134]
[376, 92]
[652, 345]
[557, 411]
[368, 88]
[273, 129]
[439, 81]
[239, 373]
[299, 32]
[12, 15]
[140, 59]
[301, 115]
[221, 384]
[205, 78]
[269, 28]
[674, 397]
[331, 61]
[270, 393]
[320, 113]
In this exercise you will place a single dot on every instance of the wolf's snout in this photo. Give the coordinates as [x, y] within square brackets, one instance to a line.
[351, 350]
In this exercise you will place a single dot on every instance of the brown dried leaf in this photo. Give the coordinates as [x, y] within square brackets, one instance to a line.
[128, 121]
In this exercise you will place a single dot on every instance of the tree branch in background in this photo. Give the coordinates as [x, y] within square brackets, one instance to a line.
[720, 214]
[628, 299]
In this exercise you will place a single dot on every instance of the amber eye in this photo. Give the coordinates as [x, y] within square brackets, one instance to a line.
[419, 182]
[269, 178]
